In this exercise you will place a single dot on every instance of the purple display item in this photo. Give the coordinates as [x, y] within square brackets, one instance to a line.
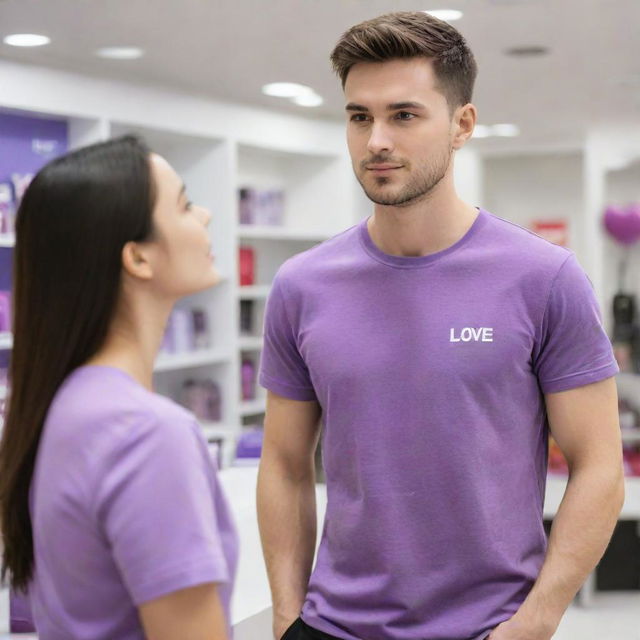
[183, 335]
[248, 380]
[200, 330]
[168, 343]
[5, 311]
[7, 209]
[250, 443]
[20, 183]
[20, 619]
[246, 200]
[29, 143]
[213, 398]
[623, 224]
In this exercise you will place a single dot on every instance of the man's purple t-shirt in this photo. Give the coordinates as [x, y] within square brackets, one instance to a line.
[126, 507]
[430, 372]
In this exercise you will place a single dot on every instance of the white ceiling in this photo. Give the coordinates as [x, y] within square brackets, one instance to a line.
[228, 50]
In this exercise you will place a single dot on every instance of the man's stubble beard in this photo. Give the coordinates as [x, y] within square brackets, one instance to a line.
[418, 187]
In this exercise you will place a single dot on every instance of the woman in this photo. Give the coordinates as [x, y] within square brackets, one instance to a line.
[111, 510]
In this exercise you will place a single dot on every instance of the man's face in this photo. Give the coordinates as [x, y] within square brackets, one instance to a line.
[399, 130]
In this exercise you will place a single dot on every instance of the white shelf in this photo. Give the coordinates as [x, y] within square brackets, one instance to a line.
[253, 407]
[218, 430]
[7, 240]
[250, 343]
[256, 232]
[254, 292]
[6, 340]
[631, 436]
[3, 391]
[171, 362]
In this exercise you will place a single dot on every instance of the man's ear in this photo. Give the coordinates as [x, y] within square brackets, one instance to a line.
[135, 261]
[465, 121]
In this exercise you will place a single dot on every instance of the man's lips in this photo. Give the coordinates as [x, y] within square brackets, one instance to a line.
[382, 167]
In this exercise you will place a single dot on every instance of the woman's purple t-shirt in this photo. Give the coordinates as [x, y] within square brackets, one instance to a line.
[431, 373]
[126, 507]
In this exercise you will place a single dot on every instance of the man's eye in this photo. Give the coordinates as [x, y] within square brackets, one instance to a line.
[358, 117]
[405, 115]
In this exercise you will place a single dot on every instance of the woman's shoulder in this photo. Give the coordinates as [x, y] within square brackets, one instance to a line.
[105, 405]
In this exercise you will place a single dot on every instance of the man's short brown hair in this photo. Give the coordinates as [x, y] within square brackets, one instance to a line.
[411, 34]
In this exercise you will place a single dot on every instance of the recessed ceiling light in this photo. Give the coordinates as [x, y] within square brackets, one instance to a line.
[286, 89]
[26, 40]
[308, 100]
[527, 52]
[120, 53]
[505, 130]
[448, 15]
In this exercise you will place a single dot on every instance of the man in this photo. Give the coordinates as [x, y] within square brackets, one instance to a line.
[439, 343]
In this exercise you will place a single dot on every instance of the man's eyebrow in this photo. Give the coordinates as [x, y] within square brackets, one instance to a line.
[405, 105]
[394, 106]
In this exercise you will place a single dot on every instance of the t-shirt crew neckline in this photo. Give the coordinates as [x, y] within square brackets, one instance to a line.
[412, 262]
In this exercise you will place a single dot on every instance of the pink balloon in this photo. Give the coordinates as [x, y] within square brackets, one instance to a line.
[623, 224]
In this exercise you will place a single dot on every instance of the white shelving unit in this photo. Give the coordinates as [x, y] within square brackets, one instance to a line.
[216, 148]
[248, 232]
[7, 240]
[254, 292]
[250, 343]
[6, 340]
[189, 360]
[253, 407]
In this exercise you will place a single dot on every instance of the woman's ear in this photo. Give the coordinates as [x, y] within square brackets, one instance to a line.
[135, 261]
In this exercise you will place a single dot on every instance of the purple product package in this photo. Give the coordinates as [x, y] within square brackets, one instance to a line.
[248, 374]
[200, 328]
[183, 334]
[203, 398]
[20, 618]
[7, 209]
[246, 205]
[249, 445]
[5, 311]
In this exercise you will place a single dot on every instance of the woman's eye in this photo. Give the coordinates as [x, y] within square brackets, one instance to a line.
[189, 205]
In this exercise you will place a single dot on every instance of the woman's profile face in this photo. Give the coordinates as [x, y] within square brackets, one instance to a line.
[180, 249]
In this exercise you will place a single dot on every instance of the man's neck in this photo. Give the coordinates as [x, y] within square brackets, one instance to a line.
[422, 228]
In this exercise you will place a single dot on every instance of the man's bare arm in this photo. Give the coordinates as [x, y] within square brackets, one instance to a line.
[584, 423]
[287, 503]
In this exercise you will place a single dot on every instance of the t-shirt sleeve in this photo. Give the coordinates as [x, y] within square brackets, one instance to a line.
[572, 348]
[155, 507]
[282, 368]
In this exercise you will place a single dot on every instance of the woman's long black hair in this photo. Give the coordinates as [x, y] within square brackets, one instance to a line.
[72, 224]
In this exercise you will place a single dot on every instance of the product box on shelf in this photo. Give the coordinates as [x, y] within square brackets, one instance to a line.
[246, 317]
[7, 209]
[5, 311]
[203, 398]
[248, 375]
[247, 266]
[249, 448]
[187, 330]
[261, 206]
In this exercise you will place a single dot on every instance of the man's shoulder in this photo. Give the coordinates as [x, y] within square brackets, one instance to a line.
[523, 245]
[318, 260]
